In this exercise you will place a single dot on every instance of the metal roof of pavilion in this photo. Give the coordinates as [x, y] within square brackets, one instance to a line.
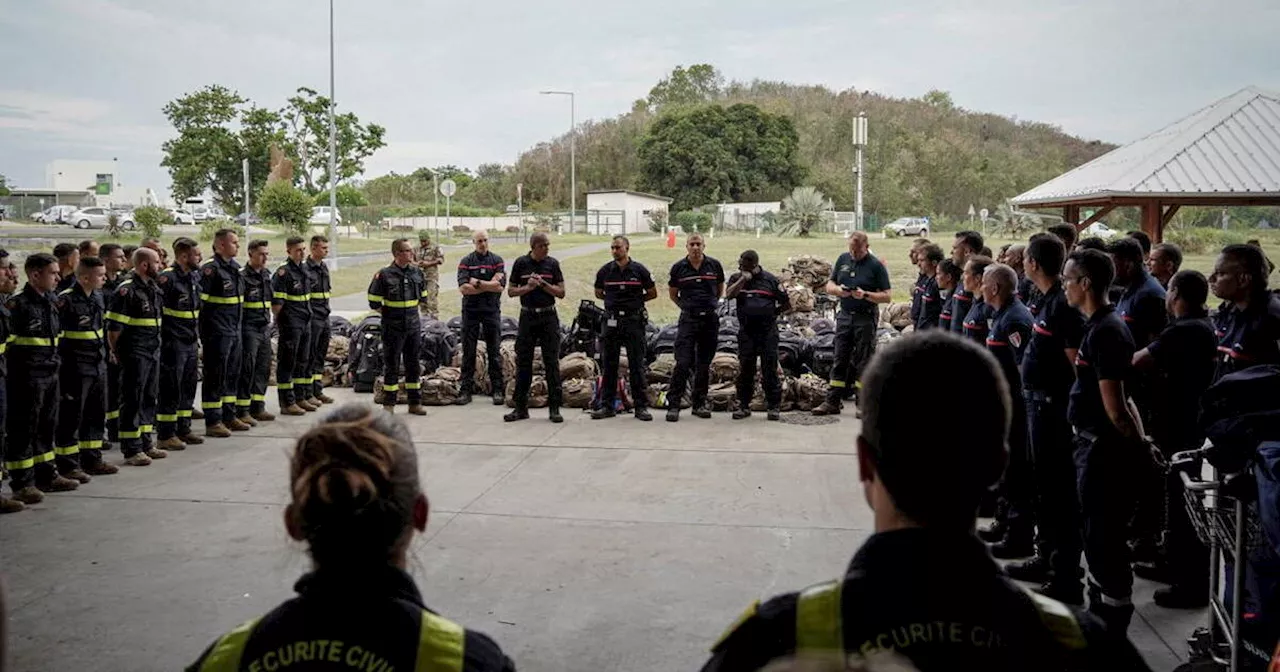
[1228, 150]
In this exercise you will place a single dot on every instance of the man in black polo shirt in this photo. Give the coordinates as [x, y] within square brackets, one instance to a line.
[927, 292]
[1248, 322]
[1141, 304]
[1109, 436]
[968, 244]
[1163, 262]
[537, 281]
[760, 299]
[625, 285]
[481, 279]
[696, 283]
[861, 281]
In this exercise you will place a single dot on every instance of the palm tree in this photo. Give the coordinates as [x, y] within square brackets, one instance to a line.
[805, 208]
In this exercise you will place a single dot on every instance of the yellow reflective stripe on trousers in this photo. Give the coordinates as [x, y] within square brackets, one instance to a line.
[258, 397]
[184, 314]
[301, 381]
[229, 400]
[113, 415]
[166, 417]
[207, 405]
[92, 335]
[390, 388]
[227, 651]
[819, 627]
[413, 386]
[4, 346]
[294, 297]
[317, 378]
[184, 414]
[73, 449]
[400, 304]
[20, 464]
[242, 403]
[34, 341]
[136, 434]
[90, 445]
[440, 645]
[44, 457]
[263, 305]
[223, 300]
[284, 386]
[147, 429]
[320, 295]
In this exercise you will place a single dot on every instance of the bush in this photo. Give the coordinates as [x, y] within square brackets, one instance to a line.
[151, 220]
[210, 227]
[461, 230]
[113, 225]
[1203, 240]
[658, 221]
[890, 233]
[281, 204]
[693, 221]
[513, 229]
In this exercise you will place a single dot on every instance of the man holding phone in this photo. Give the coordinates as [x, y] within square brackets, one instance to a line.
[537, 282]
[861, 282]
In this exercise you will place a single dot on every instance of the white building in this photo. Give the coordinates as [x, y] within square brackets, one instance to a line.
[99, 178]
[631, 211]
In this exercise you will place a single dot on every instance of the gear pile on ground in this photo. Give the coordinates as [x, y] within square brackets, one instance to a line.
[538, 392]
[806, 270]
[481, 384]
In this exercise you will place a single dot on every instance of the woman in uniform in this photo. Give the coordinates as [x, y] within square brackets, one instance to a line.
[356, 503]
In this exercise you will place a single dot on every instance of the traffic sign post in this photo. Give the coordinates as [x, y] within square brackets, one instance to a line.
[448, 188]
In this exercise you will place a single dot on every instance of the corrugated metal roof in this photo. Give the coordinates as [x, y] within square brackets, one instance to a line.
[1229, 149]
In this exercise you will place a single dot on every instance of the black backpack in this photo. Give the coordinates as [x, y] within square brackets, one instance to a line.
[340, 326]
[1240, 411]
[823, 325]
[664, 342]
[509, 329]
[824, 354]
[437, 346]
[455, 325]
[583, 334]
[364, 357]
[794, 354]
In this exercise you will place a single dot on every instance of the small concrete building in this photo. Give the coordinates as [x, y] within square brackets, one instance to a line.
[621, 211]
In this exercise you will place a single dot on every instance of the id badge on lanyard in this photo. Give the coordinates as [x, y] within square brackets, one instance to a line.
[612, 323]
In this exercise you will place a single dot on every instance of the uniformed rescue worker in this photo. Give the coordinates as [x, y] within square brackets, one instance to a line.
[1007, 340]
[7, 267]
[949, 278]
[695, 284]
[321, 287]
[861, 282]
[1248, 322]
[179, 329]
[1144, 241]
[922, 280]
[33, 362]
[255, 338]
[133, 335]
[1066, 233]
[929, 295]
[1047, 375]
[760, 299]
[222, 299]
[88, 248]
[117, 264]
[430, 257]
[291, 303]
[537, 281]
[68, 256]
[1182, 358]
[1108, 433]
[8, 283]
[974, 324]
[481, 278]
[922, 585]
[395, 292]
[1142, 301]
[967, 244]
[625, 285]
[1015, 258]
[357, 503]
[82, 380]
[1163, 262]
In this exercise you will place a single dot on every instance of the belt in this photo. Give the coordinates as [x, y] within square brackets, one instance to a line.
[1036, 395]
[628, 313]
[537, 310]
[698, 313]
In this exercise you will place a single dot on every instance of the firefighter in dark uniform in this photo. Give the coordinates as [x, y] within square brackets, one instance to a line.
[967, 244]
[8, 283]
[291, 303]
[68, 256]
[395, 292]
[974, 325]
[922, 585]
[760, 300]
[358, 608]
[1047, 374]
[929, 313]
[625, 285]
[1248, 322]
[179, 327]
[82, 415]
[133, 334]
[116, 261]
[481, 279]
[949, 278]
[695, 285]
[1007, 339]
[321, 286]
[255, 338]
[222, 299]
[1109, 435]
[537, 281]
[861, 281]
[33, 362]
[1181, 361]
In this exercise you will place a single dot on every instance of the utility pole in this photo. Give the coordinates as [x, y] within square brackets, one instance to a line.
[333, 154]
[859, 143]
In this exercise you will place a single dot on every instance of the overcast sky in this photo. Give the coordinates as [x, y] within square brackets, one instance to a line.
[458, 82]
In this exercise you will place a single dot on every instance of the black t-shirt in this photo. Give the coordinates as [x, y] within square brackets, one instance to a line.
[1249, 337]
[916, 302]
[1027, 291]
[697, 286]
[1058, 327]
[930, 304]
[761, 296]
[961, 302]
[1142, 307]
[1185, 354]
[624, 286]
[975, 324]
[948, 305]
[868, 274]
[483, 267]
[1010, 334]
[548, 269]
[1106, 353]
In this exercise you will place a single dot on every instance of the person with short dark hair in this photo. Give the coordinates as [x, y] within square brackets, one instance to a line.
[861, 281]
[7, 269]
[179, 331]
[430, 256]
[255, 338]
[922, 577]
[222, 299]
[1248, 322]
[291, 304]
[320, 331]
[695, 284]
[116, 261]
[68, 256]
[82, 377]
[759, 298]
[974, 324]
[113, 258]
[88, 248]
[134, 325]
[625, 285]
[482, 277]
[1108, 434]
[537, 281]
[1143, 239]
[1142, 302]
[357, 503]
[128, 257]
[1065, 232]
[967, 244]
[1163, 262]
[926, 292]
[1271, 267]
[1015, 258]
[949, 279]
[8, 283]
[395, 292]
[1181, 360]
[1091, 243]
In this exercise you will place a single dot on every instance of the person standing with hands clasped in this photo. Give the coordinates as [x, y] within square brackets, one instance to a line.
[537, 282]
[696, 283]
[625, 285]
[481, 279]
[760, 299]
[395, 292]
[861, 282]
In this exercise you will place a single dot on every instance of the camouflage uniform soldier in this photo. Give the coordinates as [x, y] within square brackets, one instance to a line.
[430, 256]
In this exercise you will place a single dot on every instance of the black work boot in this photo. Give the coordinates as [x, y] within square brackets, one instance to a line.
[702, 411]
[554, 415]
[516, 415]
[642, 413]
[827, 407]
[673, 414]
[775, 414]
[464, 398]
[741, 413]
[603, 412]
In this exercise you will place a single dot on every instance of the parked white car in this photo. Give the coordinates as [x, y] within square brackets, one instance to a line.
[1099, 230]
[56, 214]
[96, 218]
[909, 226]
[182, 217]
[320, 216]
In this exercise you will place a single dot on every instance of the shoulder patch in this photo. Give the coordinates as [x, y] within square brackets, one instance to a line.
[1015, 338]
[208, 270]
[122, 291]
[164, 277]
[746, 615]
[281, 272]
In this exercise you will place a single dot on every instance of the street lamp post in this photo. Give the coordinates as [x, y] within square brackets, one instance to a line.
[333, 154]
[573, 153]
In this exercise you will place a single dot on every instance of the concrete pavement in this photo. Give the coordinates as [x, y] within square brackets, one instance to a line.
[590, 545]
